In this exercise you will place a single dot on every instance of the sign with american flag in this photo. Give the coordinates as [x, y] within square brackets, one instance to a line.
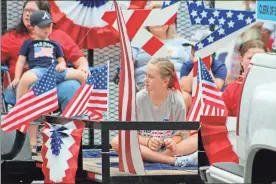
[130, 159]
[230, 23]
[39, 100]
[207, 99]
[92, 97]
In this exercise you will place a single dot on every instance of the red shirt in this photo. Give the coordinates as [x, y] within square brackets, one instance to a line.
[11, 43]
[231, 97]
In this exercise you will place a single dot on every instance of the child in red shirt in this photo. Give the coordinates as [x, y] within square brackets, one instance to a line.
[233, 91]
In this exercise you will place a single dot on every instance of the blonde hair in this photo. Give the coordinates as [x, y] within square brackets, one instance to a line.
[171, 32]
[166, 69]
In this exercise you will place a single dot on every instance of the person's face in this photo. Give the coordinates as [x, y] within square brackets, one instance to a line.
[157, 30]
[153, 81]
[245, 60]
[27, 12]
[43, 32]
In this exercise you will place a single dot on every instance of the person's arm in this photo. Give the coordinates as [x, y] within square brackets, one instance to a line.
[18, 70]
[82, 65]
[186, 73]
[5, 48]
[23, 53]
[72, 52]
[143, 140]
[61, 66]
[220, 74]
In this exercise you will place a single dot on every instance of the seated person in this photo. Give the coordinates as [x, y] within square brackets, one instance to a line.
[40, 53]
[11, 43]
[232, 93]
[218, 68]
[176, 52]
[157, 102]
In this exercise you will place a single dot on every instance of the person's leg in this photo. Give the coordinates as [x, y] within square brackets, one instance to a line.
[147, 154]
[25, 82]
[33, 127]
[33, 136]
[187, 146]
[73, 74]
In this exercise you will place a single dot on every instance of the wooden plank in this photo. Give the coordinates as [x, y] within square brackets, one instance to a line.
[93, 165]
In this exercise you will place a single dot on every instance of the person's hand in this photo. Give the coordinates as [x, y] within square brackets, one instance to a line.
[170, 144]
[14, 83]
[155, 143]
[84, 69]
[61, 67]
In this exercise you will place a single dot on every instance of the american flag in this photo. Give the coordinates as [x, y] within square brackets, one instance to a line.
[92, 97]
[130, 159]
[230, 24]
[207, 99]
[43, 51]
[39, 100]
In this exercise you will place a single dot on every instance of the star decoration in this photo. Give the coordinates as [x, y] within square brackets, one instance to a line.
[210, 39]
[194, 13]
[229, 14]
[229, 24]
[221, 21]
[240, 16]
[204, 14]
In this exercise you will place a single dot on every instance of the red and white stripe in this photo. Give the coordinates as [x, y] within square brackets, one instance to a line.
[29, 108]
[80, 102]
[130, 159]
[137, 20]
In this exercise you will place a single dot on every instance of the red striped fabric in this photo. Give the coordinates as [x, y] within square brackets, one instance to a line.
[130, 159]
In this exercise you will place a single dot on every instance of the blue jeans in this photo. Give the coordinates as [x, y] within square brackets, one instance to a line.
[40, 71]
[65, 91]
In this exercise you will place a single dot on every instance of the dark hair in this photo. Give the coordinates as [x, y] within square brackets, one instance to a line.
[249, 45]
[20, 28]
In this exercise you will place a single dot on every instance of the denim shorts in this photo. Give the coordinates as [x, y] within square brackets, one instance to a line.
[39, 71]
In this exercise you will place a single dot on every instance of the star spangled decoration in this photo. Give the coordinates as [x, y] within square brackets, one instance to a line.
[230, 23]
[61, 168]
[56, 140]
[168, 3]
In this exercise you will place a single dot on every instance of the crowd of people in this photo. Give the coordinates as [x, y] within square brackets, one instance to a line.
[156, 98]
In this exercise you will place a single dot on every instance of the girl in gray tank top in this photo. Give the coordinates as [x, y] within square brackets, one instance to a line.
[157, 102]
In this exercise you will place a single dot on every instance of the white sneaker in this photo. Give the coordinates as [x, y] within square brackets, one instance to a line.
[187, 160]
